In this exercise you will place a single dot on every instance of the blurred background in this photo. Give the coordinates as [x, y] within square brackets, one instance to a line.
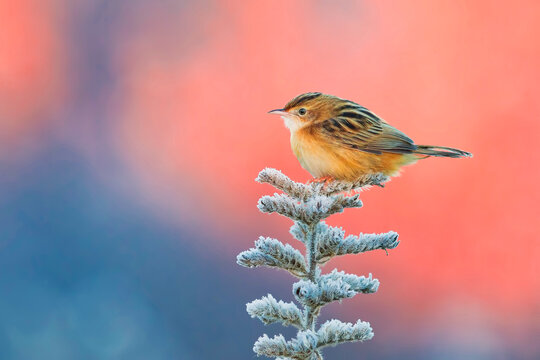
[131, 133]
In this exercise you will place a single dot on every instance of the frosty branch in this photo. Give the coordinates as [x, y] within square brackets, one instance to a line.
[308, 206]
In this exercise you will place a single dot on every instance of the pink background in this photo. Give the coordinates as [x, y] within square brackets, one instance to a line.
[165, 104]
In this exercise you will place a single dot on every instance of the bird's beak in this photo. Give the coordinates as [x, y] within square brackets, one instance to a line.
[280, 112]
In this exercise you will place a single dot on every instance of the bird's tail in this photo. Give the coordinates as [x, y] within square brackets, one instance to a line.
[441, 151]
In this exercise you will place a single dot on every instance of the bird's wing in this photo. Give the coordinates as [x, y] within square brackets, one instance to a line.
[358, 128]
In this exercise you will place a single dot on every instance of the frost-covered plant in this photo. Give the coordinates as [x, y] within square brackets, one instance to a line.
[308, 206]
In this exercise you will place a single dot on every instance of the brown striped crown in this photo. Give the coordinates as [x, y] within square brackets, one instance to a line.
[322, 107]
[301, 100]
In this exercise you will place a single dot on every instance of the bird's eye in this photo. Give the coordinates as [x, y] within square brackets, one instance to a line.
[302, 111]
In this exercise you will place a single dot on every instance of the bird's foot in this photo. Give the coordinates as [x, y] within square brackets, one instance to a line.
[325, 180]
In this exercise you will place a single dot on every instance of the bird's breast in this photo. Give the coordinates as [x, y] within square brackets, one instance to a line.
[322, 158]
[313, 154]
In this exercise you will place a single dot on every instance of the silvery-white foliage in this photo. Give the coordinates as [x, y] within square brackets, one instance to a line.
[273, 253]
[331, 241]
[302, 191]
[308, 342]
[269, 311]
[311, 294]
[334, 332]
[361, 183]
[307, 205]
[334, 286]
[301, 347]
[299, 230]
[354, 244]
[358, 284]
[282, 182]
[310, 211]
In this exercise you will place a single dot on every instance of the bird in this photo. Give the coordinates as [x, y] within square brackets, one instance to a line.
[338, 139]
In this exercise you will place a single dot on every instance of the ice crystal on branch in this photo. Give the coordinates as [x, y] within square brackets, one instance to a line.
[272, 253]
[332, 287]
[331, 241]
[301, 347]
[309, 211]
[302, 191]
[269, 311]
[358, 284]
[308, 205]
[335, 332]
[282, 182]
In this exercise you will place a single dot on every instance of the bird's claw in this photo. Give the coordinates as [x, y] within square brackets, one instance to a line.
[325, 180]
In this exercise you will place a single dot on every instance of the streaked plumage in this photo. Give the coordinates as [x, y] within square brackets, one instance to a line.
[337, 138]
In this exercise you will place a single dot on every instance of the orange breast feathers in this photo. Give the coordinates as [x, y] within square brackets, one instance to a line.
[325, 159]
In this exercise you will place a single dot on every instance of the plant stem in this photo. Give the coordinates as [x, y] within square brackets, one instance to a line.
[311, 246]
[311, 254]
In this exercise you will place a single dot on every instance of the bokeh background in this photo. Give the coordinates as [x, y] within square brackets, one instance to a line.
[131, 132]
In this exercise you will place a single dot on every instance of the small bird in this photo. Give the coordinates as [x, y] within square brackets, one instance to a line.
[337, 139]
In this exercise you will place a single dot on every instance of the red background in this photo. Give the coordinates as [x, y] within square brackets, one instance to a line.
[183, 115]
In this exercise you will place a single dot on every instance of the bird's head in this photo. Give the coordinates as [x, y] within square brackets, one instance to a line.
[308, 108]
